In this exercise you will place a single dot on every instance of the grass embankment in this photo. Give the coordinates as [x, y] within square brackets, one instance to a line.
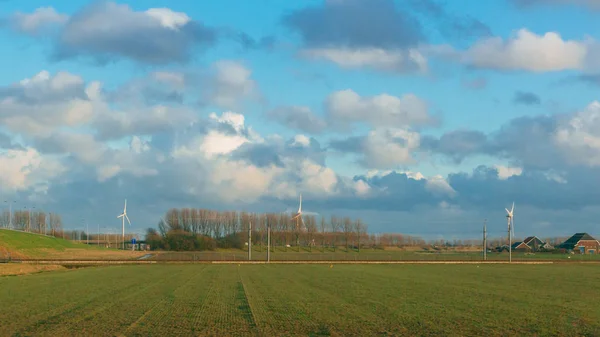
[305, 300]
[23, 245]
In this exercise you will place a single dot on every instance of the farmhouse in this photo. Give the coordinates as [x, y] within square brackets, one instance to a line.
[530, 244]
[582, 243]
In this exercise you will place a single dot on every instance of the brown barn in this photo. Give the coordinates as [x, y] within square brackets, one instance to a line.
[582, 243]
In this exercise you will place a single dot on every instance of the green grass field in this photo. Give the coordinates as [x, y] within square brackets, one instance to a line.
[304, 300]
[364, 255]
[23, 245]
[31, 244]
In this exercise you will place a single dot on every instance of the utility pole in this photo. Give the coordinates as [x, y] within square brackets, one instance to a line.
[249, 240]
[484, 240]
[268, 242]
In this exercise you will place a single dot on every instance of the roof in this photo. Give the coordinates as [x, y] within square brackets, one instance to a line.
[528, 242]
[516, 244]
[572, 241]
[532, 239]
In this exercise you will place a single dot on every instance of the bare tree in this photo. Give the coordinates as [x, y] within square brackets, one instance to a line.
[261, 229]
[334, 230]
[283, 229]
[20, 219]
[173, 220]
[359, 229]
[186, 219]
[55, 223]
[311, 229]
[5, 219]
[347, 231]
[40, 222]
[195, 220]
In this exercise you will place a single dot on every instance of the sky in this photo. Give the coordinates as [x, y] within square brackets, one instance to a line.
[421, 117]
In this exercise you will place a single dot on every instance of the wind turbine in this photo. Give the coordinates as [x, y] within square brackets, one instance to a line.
[123, 216]
[511, 229]
[299, 220]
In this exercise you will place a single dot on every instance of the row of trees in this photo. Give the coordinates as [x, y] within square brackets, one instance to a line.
[229, 229]
[199, 229]
[32, 221]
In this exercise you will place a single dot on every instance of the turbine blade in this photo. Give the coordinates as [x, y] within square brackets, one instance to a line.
[507, 211]
[128, 219]
[513, 208]
[125, 208]
[120, 216]
[300, 208]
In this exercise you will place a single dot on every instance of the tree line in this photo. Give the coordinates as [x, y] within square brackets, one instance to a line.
[32, 221]
[204, 229]
[199, 229]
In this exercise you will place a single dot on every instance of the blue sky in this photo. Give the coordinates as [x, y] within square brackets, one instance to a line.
[423, 117]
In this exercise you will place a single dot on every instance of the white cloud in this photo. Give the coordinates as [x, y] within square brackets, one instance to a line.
[106, 172]
[168, 18]
[27, 168]
[138, 145]
[317, 178]
[556, 176]
[362, 188]
[579, 137]
[388, 148]
[239, 181]
[299, 118]
[439, 185]
[38, 105]
[230, 85]
[236, 120]
[301, 140]
[346, 106]
[526, 50]
[106, 30]
[505, 172]
[381, 59]
[39, 20]
[219, 143]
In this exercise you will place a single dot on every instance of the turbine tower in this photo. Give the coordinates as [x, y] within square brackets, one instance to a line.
[123, 216]
[509, 217]
[299, 220]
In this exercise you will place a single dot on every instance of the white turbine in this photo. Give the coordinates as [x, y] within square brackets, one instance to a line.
[511, 229]
[123, 216]
[298, 218]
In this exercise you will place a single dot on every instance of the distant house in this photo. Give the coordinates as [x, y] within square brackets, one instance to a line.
[501, 249]
[530, 244]
[582, 243]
